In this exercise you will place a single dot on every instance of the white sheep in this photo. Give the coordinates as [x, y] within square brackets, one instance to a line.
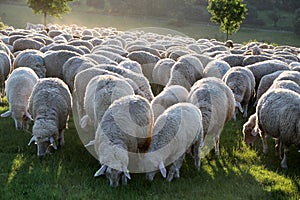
[5, 68]
[216, 102]
[50, 104]
[161, 72]
[278, 116]
[242, 83]
[125, 130]
[186, 71]
[18, 88]
[216, 68]
[168, 97]
[176, 131]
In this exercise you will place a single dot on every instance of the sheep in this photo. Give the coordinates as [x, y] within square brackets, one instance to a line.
[111, 55]
[185, 72]
[50, 104]
[233, 60]
[169, 96]
[216, 102]
[216, 68]
[286, 84]
[266, 67]
[175, 132]
[26, 43]
[147, 62]
[18, 88]
[289, 75]
[242, 83]
[5, 68]
[125, 130]
[131, 65]
[54, 61]
[99, 59]
[33, 59]
[265, 83]
[278, 116]
[100, 92]
[161, 71]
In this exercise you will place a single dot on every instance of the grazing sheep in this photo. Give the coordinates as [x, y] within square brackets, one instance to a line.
[101, 92]
[289, 75]
[249, 131]
[286, 84]
[278, 116]
[26, 43]
[177, 130]
[233, 60]
[18, 88]
[33, 59]
[5, 68]
[111, 55]
[169, 96]
[216, 68]
[162, 70]
[147, 62]
[263, 68]
[252, 59]
[216, 102]
[125, 130]
[50, 104]
[242, 83]
[186, 71]
[54, 61]
[99, 59]
[131, 65]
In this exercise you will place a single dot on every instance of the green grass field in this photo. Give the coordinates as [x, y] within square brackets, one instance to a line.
[191, 29]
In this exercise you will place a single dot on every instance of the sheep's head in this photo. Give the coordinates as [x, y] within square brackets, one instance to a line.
[20, 117]
[44, 133]
[250, 133]
[114, 175]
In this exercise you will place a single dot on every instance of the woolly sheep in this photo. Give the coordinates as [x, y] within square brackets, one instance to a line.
[216, 102]
[161, 71]
[147, 62]
[18, 88]
[33, 59]
[266, 67]
[186, 71]
[111, 55]
[26, 43]
[242, 83]
[99, 59]
[100, 93]
[50, 104]
[125, 130]
[131, 65]
[216, 68]
[177, 130]
[289, 75]
[169, 96]
[233, 60]
[278, 116]
[54, 61]
[5, 67]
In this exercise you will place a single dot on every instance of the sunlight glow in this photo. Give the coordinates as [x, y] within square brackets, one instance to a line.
[16, 165]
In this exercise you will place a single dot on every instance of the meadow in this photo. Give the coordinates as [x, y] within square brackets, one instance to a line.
[241, 172]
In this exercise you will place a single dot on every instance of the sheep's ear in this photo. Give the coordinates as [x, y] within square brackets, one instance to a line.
[29, 116]
[101, 171]
[84, 121]
[162, 169]
[254, 132]
[53, 144]
[6, 114]
[239, 106]
[91, 143]
[33, 139]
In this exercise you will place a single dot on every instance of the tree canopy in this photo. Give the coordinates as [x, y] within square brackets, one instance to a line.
[53, 8]
[228, 13]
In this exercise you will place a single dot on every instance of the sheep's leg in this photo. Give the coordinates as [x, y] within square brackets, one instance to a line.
[283, 162]
[174, 170]
[61, 138]
[264, 142]
[245, 114]
[278, 148]
[196, 149]
[217, 144]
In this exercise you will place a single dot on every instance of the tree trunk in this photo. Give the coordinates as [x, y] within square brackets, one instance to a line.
[45, 16]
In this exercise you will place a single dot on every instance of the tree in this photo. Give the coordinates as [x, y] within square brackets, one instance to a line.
[53, 8]
[228, 13]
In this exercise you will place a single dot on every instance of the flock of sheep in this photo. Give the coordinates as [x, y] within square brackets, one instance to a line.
[142, 101]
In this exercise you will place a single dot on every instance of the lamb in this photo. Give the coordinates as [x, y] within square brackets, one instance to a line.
[18, 88]
[125, 130]
[216, 102]
[169, 96]
[242, 83]
[186, 71]
[175, 132]
[216, 68]
[50, 104]
[33, 59]
[278, 116]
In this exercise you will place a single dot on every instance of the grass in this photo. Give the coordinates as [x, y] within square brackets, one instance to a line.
[240, 172]
[191, 29]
